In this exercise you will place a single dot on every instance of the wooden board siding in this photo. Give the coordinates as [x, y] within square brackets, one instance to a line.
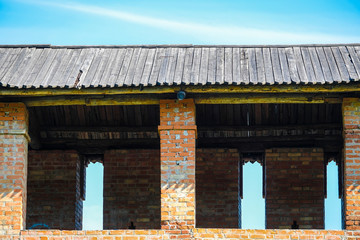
[133, 66]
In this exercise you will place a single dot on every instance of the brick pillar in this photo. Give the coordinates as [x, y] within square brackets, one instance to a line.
[351, 121]
[13, 165]
[294, 188]
[177, 142]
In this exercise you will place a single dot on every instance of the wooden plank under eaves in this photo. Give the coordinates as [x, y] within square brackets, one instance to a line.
[284, 66]
[300, 65]
[156, 67]
[14, 66]
[355, 59]
[124, 68]
[150, 58]
[204, 66]
[88, 78]
[211, 78]
[228, 72]
[65, 74]
[260, 67]
[244, 66]
[164, 66]
[316, 65]
[104, 62]
[173, 58]
[220, 65]
[348, 63]
[236, 66]
[269, 75]
[139, 69]
[308, 65]
[324, 65]
[276, 65]
[332, 64]
[105, 78]
[58, 74]
[22, 78]
[294, 75]
[189, 57]
[131, 69]
[116, 67]
[345, 77]
[195, 68]
[180, 64]
[252, 66]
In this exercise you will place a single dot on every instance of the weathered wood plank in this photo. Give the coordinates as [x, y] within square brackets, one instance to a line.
[189, 56]
[31, 78]
[324, 65]
[244, 66]
[13, 66]
[195, 69]
[228, 66]
[21, 79]
[115, 70]
[154, 74]
[58, 76]
[105, 79]
[171, 69]
[131, 69]
[85, 67]
[355, 59]
[69, 68]
[294, 75]
[164, 66]
[139, 69]
[180, 64]
[308, 65]
[88, 77]
[55, 65]
[345, 77]
[284, 66]
[348, 63]
[220, 65]
[332, 64]
[236, 66]
[95, 82]
[212, 66]
[260, 66]
[204, 66]
[300, 65]
[252, 66]
[148, 67]
[316, 65]
[125, 67]
[269, 75]
[276, 65]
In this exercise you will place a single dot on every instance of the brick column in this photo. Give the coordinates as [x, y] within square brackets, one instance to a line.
[13, 165]
[177, 142]
[351, 133]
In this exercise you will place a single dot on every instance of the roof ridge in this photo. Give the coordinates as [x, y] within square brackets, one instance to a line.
[173, 46]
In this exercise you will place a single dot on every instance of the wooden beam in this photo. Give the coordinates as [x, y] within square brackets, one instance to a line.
[284, 88]
[34, 130]
[198, 98]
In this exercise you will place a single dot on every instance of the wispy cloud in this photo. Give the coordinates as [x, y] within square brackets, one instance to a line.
[206, 33]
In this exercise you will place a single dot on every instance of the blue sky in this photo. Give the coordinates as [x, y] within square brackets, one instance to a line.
[95, 22]
[179, 22]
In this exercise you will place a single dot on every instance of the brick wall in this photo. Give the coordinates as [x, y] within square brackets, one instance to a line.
[351, 121]
[53, 187]
[294, 188]
[177, 146]
[132, 189]
[217, 188]
[13, 166]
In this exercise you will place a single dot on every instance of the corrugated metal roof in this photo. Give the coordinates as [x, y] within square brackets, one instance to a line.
[45, 66]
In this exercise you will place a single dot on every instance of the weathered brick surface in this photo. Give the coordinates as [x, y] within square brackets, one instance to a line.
[13, 165]
[53, 189]
[132, 189]
[177, 142]
[294, 188]
[199, 233]
[351, 121]
[217, 188]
